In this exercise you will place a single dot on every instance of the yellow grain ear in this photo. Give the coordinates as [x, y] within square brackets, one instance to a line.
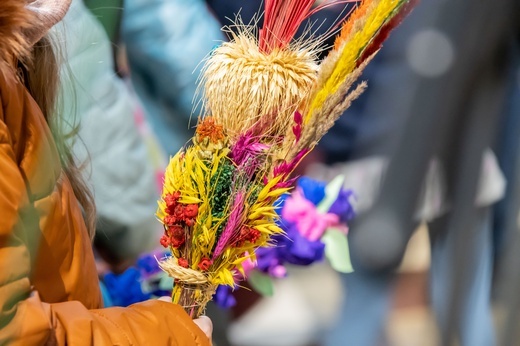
[356, 35]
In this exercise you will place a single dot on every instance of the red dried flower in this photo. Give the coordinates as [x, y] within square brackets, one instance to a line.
[183, 262]
[170, 209]
[170, 220]
[253, 235]
[179, 212]
[177, 242]
[177, 236]
[176, 231]
[244, 231]
[165, 241]
[248, 234]
[171, 200]
[204, 263]
[191, 211]
[241, 236]
[189, 222]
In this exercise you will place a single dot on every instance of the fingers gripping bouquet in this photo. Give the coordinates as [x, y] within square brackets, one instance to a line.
[267, 103]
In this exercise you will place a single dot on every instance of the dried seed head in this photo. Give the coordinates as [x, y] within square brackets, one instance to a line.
[274, 85]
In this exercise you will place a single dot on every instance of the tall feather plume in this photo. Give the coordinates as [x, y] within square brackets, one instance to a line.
[360, 39]
[281, 21]
[332, 109]
[403, 11]
[357, 34]
[354, 23]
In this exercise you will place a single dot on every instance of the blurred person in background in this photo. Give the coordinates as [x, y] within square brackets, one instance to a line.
[166, 42]
[359, 147]
[48, 279]
[101, 106]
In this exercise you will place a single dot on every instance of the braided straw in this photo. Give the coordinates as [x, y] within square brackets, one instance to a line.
[185, 275]
[192, 290]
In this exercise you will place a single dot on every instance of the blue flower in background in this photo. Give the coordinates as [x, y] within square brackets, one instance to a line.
[268, 260]
[148, 266]
[125, 289]
[313, 190]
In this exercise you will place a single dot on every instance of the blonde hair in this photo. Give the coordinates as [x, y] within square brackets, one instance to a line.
[41, 77]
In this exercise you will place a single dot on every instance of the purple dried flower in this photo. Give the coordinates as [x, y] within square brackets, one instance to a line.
[246, 148]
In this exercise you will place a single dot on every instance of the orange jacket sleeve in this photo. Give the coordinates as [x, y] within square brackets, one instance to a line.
[25, 319]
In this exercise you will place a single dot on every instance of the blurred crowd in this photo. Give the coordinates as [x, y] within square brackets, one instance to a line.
[139, 104]
[431, 150]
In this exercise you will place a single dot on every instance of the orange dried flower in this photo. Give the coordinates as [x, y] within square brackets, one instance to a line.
[208, 128]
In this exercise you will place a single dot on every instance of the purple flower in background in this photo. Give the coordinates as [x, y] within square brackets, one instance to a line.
[303, 226]
[296, 249]
[342, 206]
[270, 260]
[223, 297]
[289, 248]
[151, 274]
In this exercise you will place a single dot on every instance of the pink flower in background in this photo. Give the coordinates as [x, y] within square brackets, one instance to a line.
[310, 223]
[248, 265]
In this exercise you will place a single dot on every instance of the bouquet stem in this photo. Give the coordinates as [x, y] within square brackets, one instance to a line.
[193, 297]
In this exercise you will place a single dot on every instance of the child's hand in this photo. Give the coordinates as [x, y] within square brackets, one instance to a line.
[204, 323]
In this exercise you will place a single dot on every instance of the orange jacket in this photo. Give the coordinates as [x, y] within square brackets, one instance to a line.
[49, 290]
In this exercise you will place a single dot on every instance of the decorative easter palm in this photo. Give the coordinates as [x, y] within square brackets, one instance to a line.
[267, 103]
